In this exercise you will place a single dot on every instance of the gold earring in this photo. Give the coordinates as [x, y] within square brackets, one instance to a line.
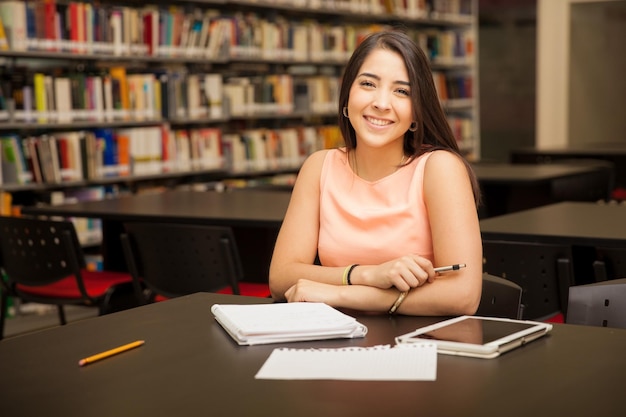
[345, 112]
[413, 127]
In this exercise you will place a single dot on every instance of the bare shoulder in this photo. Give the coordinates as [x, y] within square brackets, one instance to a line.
[312, 167]
[316, 158]
[446, 170]
[441, 162]
[313, 163]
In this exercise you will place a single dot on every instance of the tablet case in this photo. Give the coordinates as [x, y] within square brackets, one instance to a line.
[489, 350]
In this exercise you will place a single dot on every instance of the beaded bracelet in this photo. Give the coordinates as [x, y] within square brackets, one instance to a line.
[399, 301]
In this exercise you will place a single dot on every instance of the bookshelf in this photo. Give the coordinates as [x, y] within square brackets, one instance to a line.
[119, 95]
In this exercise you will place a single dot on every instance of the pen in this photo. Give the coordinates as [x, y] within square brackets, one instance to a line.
[110, 352]
[454, 267]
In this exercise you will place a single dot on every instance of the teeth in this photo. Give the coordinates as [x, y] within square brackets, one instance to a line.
[378, 122]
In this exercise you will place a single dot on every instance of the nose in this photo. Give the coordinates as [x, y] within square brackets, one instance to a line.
[382, 100]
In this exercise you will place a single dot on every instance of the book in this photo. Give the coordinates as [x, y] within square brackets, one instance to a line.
[71, 158]
[13, 14]
[6, 203]
[214, 93]
[41, 97]
[29, 149]
[122, 98]
[63, 99]
[4, 42]
[151, 29]
[12, 163]
[256, 324]
[110, 155]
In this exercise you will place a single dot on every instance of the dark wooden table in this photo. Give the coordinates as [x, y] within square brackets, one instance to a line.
[190, 366]
[614, 152]
[255, 215]
[584, 226]
[573, 223]
[508, 188]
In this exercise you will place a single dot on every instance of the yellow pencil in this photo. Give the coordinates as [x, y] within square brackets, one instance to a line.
[110, 352]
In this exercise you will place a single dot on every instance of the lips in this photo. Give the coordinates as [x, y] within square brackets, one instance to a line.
[378, 122]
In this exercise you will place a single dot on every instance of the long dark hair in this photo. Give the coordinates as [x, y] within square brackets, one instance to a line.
[433, 131]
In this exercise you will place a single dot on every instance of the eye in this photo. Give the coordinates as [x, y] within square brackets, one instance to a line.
[403, 91]
[366, 83]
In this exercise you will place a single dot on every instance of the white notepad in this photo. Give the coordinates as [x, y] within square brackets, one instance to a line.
[379, 363]
[254, 324]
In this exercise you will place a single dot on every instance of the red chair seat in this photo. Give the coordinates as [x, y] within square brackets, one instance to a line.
[97, 283]
[251, 289]
[557, 318]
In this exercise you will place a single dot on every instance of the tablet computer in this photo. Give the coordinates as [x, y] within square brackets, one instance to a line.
[475, 336]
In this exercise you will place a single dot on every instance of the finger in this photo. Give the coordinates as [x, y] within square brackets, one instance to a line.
[402, 285]
[409, 279]
[417, 275]
[425, 270]
[289, 293]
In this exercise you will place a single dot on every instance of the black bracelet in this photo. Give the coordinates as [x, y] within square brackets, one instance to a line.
[349, 272]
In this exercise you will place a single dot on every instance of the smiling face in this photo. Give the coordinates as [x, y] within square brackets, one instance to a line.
[379, 105]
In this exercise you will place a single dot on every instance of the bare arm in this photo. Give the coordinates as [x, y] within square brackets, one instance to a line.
[296, 245]
[456, 239]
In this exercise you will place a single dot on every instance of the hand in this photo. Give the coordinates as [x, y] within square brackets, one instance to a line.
[404, 273]
[311, 291]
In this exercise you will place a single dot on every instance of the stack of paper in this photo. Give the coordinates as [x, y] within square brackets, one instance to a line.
[256, 324]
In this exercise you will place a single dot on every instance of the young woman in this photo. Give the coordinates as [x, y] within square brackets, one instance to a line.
[393, 204]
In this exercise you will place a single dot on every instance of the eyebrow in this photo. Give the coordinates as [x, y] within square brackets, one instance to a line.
[367, 74]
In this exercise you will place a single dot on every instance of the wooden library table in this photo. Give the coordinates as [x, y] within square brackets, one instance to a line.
[570, 222]
[190, 366]
[614, 152]
[255, 215]
[584, 226]
[508, 188]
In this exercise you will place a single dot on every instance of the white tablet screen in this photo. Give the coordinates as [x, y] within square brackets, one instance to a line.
[475, 331]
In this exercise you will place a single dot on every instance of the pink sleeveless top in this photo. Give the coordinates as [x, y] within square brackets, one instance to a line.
[371, 222]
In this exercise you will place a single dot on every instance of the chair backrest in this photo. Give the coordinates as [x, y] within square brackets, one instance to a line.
[598, 304]
[500, 298]
[179, 259]
[34, 251]
[610, 263]
[544, 271]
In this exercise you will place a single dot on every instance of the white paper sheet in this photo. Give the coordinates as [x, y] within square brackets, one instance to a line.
[378, 363]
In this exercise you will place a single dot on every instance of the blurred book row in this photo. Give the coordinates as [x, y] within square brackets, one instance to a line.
[59, 95]
[85, 155]
[194, 32]
[56, 95]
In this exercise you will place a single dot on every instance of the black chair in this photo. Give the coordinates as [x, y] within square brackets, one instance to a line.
[500, 298]
[610, 263]
[544, 271]
[43, 262]
[169, 260]
[598, 304]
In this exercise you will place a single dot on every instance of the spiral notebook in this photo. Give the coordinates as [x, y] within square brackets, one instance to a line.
[255, 324]
[417, 362]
